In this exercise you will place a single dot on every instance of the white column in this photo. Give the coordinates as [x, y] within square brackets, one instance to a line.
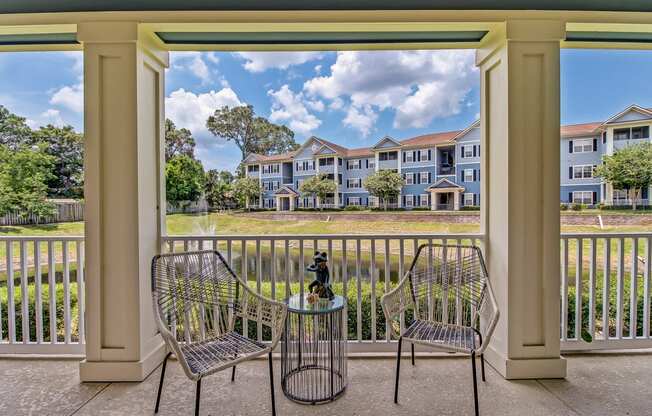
[278, 203]
[336, 198]
[124, 78]
[456, 200]
[376, 167]
[433, 201]
[292, 203]
[520, 190]
[400, 165]
[260, 185]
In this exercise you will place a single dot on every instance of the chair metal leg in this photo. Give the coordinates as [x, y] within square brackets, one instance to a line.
[475, 385]
[398, 369]
[197, 396]
[412, 354]
[482, 366]
[233, 374]
[160, 384]
[271, 383]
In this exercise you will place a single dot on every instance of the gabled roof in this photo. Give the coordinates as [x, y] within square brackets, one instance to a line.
[286, 190]
[386, 139]
[473, 125]
[444, 183]
[633, 107]
[283, 157]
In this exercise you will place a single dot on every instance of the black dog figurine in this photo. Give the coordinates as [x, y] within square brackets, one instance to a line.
[320, 285]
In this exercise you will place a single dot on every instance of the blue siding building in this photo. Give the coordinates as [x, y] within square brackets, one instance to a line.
[441, 171]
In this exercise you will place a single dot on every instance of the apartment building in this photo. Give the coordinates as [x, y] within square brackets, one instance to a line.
[441, 171]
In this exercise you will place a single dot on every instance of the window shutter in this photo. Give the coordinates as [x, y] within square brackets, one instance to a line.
[595, 198]
[462, 151]
[403, 157]
[478, 150]
[429, 177]
[367, 163]
[403, 198]
[570, 172]
[475, 199]
[474, 179]
[570, 197]
[474, 154]
[429, 155]
[418, 156]
[570, 146]
[604, 137]
[595, 145]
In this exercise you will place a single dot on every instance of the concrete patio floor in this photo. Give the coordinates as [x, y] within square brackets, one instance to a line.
[606, 384]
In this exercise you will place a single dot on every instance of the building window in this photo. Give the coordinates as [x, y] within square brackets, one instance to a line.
[387, 156]
[469, 199]
[354, 183]
[353, 164]
[299, 183]
[327, 161]
[621, 134]
[409, 157]
[424, 177]
[642, 132]
[583, 171]
[371, 163]
[409, 201]
[467, 151]
[276, 168]
[468, 175]
[583, 197]
[423, 200]
[252, 168]
[619, 195]
[409, 178]
[582, 146]
[354, 200]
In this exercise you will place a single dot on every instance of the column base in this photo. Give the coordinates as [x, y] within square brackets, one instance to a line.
[111, 371]
[526, 368]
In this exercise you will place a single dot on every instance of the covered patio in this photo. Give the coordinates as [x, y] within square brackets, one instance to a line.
[609, 384]
[112, 331]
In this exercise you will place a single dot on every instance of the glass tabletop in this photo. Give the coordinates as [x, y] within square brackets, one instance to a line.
[299, 304]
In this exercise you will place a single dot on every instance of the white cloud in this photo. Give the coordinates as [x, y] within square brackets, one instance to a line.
[194, 63]
[78, 65]
[318, 69]
[71, 97]
[361, 119]
[262, 61]
[336, 104]
[418, 85]
[189, 110]
[316, 105]
[289, 108]
[52, 116]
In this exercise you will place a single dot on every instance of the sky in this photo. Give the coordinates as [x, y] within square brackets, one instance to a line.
[351, 98]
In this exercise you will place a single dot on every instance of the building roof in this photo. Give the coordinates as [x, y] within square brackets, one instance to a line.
[445, 183]
[577, 130]
[433, 139]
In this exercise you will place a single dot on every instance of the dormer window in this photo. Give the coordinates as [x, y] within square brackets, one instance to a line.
[382, 156]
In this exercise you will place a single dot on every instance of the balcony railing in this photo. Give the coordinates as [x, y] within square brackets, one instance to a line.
[596, 270]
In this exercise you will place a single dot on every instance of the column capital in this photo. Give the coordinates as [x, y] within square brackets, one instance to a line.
[520, 31]
[123, 32]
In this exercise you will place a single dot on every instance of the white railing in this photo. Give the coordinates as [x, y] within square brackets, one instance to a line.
[627, 202]
[366, 265]
[612, 270]
[47, 272]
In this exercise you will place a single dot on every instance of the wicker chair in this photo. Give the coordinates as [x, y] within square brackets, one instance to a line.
[198, 301]
[453, 305]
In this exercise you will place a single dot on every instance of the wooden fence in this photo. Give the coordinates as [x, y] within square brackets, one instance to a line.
[66, 211]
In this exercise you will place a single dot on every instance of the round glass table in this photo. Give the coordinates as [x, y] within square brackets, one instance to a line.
[313, 350]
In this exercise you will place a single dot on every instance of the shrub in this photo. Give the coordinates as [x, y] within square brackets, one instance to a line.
[353, 208]
[577, 207]
[563, 207]
[470, 208]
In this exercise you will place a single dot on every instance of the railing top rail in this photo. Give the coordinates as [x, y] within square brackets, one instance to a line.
[644, 234]
[325, 236]
[41, 238]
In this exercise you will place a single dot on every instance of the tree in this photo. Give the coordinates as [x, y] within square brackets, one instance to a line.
[184, 179]
[318, 186]
[66, 147]
[628, 168]
[219, 189]
[14, 131]
[245, 189]
[178, 141]
[251, 133]
[384, 184]
[24, 173]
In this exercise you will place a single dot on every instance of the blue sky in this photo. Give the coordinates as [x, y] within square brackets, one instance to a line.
[352, 98]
